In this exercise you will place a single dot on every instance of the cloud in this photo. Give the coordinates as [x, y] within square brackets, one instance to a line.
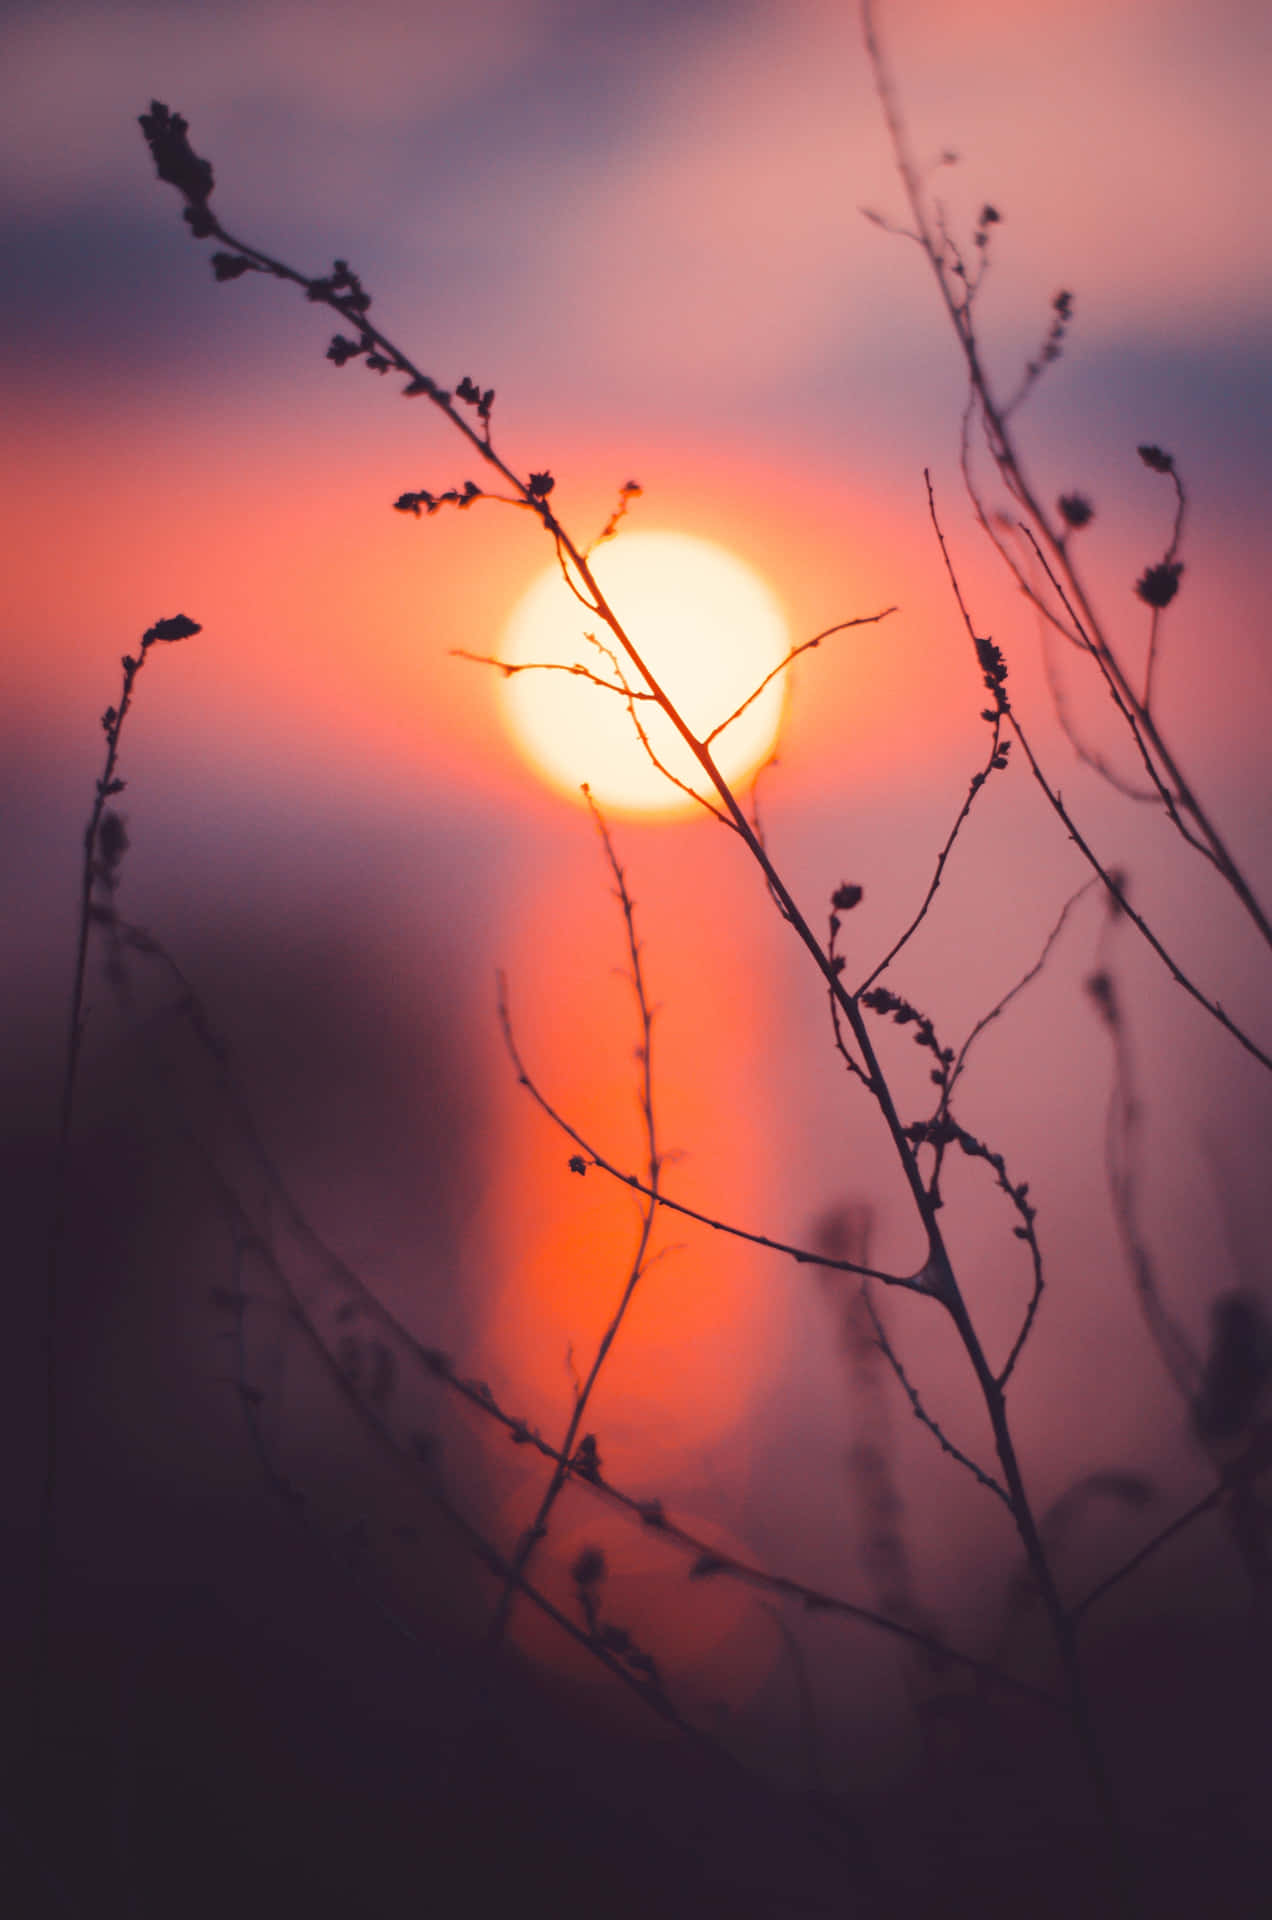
[723, 227]
[77, 76]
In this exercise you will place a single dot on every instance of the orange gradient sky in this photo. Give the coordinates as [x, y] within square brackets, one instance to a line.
[641, 226]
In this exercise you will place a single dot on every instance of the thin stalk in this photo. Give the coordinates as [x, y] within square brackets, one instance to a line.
[957, 303]
[1062, 1623]
[566, 1458]
[57, 1231]
[98, 865]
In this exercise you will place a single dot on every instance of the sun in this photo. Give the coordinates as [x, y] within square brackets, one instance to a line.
[710, 630]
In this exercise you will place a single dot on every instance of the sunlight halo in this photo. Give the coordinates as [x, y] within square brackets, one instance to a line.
[709, 628]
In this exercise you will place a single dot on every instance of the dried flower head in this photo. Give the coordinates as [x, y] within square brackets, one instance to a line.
[112, 842]
[993, 665]
[174, 158]
[1155, 458]
[1157, 586]
[1076, 510]
[1238, 1368]
[1103, 992]
[589, 1568]
[179, 627]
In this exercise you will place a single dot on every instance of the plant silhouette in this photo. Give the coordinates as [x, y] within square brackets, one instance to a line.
[1019, 1793]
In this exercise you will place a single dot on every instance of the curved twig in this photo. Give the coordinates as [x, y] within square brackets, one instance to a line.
[805, 646]
[590, 1156]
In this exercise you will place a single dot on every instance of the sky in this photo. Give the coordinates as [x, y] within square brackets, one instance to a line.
[642, 225]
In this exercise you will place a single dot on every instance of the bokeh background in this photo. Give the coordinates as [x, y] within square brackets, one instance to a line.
[642, 225]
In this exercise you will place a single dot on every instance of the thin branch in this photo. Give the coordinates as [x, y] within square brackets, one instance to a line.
[803, 1256]
[996, 759]
[921, 1413]
[1117, 894]
[626, 494]
[1120, 1141]
[1160, 1539]
[1126, 706]
[1115, 891]
[836, 1020]
[1088, 755]
[944, 1129]
[805, 646]
[539, 1526]
[956, 296]
[563, 557]
[508, 667]
[1025, 980]
[632, 695]
[105, 843]
[1176, 536]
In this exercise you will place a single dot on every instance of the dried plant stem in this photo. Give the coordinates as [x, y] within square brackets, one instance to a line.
[1207, 1504]
[92, 870]
[539, 1526]
[1113, 884]
[956, 291]
[995, 759]
[1117, 893]
[592, 1156]
[921, 1413]
[784, 666]
[1122, 1171]
[1026, 979]
[1061, 1622]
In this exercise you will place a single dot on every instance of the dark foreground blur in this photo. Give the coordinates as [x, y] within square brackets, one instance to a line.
[259, 1711]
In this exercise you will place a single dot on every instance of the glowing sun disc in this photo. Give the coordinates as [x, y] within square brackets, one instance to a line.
[710, 630]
